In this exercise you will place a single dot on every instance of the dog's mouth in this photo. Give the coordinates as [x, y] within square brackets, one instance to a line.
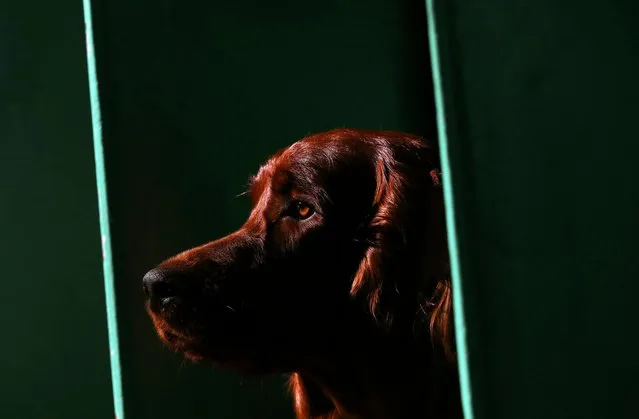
[177, 339]
[231, 346]
[193, 340]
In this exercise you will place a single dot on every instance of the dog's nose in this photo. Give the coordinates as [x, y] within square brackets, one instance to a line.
[156, 284]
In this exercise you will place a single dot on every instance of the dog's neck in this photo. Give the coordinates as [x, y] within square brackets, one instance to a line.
[357, 387]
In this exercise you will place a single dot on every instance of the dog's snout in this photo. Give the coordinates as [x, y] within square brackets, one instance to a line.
[156, 284]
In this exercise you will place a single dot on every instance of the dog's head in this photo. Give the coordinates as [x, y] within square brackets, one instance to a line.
[337, 219]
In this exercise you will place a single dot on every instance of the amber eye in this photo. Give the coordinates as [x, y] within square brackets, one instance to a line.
[302, 210]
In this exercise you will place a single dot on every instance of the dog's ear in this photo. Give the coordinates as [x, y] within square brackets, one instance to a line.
[440, 317]
[407, 234]
[440, 302]
[384, 236]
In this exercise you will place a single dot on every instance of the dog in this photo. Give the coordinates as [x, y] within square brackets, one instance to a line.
[339, 277]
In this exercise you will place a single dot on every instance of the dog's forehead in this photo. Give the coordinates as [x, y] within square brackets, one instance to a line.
[272, 177]
[313, 155]
[307, 162]
[278, 171]
[260, 182]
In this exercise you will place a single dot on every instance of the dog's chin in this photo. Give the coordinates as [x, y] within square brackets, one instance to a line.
[236, 360]
[244, 359]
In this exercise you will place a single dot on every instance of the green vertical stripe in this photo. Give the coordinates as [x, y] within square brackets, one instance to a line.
[109, 286]
[447, 179]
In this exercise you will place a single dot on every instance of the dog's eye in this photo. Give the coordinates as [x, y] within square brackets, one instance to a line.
[302, 210]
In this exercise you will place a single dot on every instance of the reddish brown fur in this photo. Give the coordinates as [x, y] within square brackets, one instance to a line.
[353, 302]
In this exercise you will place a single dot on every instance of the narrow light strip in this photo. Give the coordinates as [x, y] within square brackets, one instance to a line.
[447, 180]
[107, 260]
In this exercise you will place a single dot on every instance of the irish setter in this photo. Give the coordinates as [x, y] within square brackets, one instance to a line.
[339, 277]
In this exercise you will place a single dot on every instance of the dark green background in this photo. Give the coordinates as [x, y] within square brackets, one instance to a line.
[53, 343]
[195, 96]
[542, 101]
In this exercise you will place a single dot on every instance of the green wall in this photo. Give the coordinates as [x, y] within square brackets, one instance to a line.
[195, 95]
[541, 101]
[53, 348]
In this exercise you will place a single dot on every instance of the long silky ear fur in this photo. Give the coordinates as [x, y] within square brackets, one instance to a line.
[380, 270]
[440, 316]
[440, 322]
[384, 234]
